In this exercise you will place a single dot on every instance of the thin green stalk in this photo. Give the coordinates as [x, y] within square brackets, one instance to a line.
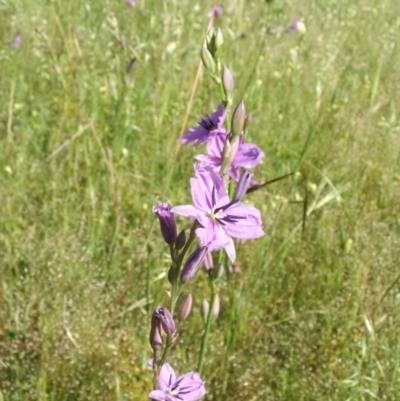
[206, 333]
[176, 289]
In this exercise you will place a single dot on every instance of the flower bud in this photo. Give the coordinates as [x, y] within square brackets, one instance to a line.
[243, 185]
[193, 263]
[238, 119]
[234, 149]
[172, 274]
[227, 80]
[180, 241]
[167, 222]
[210, 37]
[208, 60]
[218, 39]
[205, 308]
[185, 307]
[156, 340]
[166, 320]
[208, 261]
[215, 311]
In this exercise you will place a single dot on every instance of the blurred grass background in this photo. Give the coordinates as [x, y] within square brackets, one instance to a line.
[87, 150]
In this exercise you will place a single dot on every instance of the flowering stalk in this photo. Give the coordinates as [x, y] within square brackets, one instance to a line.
[219, 217]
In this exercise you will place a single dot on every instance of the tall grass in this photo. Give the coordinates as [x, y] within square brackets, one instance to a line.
[87, 150]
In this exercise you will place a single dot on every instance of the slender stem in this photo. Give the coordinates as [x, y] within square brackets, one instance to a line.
[176, 290]
[206, 333]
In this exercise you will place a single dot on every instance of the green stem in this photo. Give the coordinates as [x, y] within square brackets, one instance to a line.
[176, 290]
[206, 334]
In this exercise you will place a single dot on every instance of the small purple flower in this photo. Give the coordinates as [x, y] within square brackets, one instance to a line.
[217, 11]
[248, 156]
[188, 387]
[297, 26]
[131, 3]
[17, 41]
[209, 127]
[167, 222]
[220, 218]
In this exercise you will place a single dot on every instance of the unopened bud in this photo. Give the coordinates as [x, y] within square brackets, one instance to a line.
[172, 274]
[165, 318]
[185, 307]
[218, 39]
[243, 185]
[155, 338]
[180, 241]
[208, 60]
[234, 149]
[227, 80]
[208, 261]
[215, 311]
[238, 119]
[210, 37]
[205, 308]
[193, 263]
[167, 222]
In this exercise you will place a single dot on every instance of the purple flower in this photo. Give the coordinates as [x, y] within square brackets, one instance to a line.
[297, 26]
[209, 127]
[248, 156]
[167, 222]
[217, 11]
[220, 218]
[131, 3]
[188, 387]
[17, 41]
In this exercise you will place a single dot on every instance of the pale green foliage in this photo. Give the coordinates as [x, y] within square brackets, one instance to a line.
[315, 313]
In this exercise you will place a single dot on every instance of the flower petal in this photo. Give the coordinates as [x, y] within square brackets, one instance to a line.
[230, 250]
[187, 211]
[201, 193]
[198, 135]
[219, 116]
[166, 378]
[158, 395]
[190, 387]
[248, 156]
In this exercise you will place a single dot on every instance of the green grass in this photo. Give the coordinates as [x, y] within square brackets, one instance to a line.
[316, 313]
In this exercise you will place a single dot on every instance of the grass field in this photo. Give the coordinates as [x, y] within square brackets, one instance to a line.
[87, 150]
